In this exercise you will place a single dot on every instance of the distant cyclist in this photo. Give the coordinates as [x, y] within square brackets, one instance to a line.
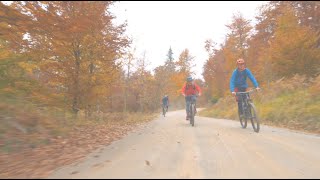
[238, 82]
[165, 102]
[190, 88]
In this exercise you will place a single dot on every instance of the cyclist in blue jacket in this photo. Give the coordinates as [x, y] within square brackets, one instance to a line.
[165, 102]
[238, 82]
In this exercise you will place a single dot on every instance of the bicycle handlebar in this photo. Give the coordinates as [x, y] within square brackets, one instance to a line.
[192, 95]
[247, 92]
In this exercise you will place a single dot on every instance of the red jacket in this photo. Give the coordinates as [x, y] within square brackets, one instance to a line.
[191, 89]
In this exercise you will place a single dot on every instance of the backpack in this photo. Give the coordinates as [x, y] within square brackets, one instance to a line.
[193, 86]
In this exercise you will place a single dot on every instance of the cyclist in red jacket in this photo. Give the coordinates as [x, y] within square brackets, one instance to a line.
[190, 90]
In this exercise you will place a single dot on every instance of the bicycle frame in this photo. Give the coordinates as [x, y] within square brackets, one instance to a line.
[249, 110]
[192, 108]
[164, 109]
[245, 99]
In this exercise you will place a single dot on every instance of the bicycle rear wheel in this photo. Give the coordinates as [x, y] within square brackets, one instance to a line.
[164, 112]
[254, 118]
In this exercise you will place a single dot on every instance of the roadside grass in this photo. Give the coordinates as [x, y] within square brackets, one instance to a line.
[44, 153]
[31, 115]
[293, 103]
[36, 130]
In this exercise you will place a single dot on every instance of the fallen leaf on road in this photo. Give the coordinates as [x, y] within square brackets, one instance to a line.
[148, 163]
[61, 151]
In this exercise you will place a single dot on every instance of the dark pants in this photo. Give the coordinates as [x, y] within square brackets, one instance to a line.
[189, 99]
[239, 98]
[165, 105]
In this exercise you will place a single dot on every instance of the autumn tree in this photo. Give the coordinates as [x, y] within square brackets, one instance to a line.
[75, 45]
[183, 69]
[169, 64]
[221, 62]
[128, 65]
[210, 68]
[258, 53]
[215, 75]
[236, 44]
[164, 77]
[161, 78]
[142, 70]
[306, 11]
[142, 87]
[183, 65]
[294, 48]
[185, 62]
[285, 42]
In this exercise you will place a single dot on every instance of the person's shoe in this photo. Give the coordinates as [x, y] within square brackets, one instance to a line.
[187, 118]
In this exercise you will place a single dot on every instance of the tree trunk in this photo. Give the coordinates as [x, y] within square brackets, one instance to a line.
[75, 104]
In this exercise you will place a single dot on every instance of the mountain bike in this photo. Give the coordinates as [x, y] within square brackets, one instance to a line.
[192, 108]
[249, 110]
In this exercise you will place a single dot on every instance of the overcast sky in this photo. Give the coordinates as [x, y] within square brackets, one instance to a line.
[157, 25]
[154, 26]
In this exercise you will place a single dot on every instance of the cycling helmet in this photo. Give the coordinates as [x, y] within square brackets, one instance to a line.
[189, 79]
[240, 61]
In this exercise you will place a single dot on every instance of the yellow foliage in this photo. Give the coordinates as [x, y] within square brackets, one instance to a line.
[315, 87]
[8, 90]
[293, 48]
[286, 102]
[27, 66]
[4, 55]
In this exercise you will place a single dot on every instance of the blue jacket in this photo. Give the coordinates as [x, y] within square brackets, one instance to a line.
[165, 100]
[239, 79]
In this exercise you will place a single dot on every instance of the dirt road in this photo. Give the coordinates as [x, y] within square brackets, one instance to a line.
[169, 147]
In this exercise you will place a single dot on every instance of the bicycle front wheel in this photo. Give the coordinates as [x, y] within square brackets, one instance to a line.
[192, 112]
[254, 118]
[243, 120]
